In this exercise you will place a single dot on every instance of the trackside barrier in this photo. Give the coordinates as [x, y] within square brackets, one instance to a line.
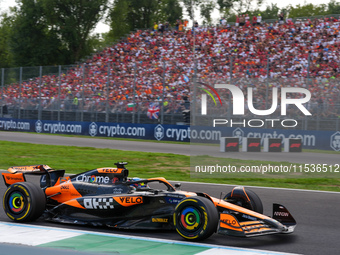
[322, 140]
[229, 144]
[292, 145]
[272, 145]
[251, 144]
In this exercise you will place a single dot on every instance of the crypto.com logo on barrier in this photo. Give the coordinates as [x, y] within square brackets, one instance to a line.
[239, 106]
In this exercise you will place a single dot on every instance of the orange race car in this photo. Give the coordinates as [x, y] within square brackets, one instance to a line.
[106, 196]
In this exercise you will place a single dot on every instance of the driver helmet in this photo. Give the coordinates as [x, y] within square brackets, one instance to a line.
[138, 185]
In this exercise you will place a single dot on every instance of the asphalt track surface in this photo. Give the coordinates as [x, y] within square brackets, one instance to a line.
[316, 213]
[183, 149]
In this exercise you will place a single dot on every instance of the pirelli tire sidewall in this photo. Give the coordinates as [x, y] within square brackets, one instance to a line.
[24, 201]
[196, 218]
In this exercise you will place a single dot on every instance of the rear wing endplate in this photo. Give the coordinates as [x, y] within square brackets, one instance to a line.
[17, 173]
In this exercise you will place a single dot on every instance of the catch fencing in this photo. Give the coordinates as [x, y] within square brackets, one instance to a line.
[159, 91]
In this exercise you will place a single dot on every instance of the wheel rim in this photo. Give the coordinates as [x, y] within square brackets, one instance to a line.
[190, 219]
[17, 202]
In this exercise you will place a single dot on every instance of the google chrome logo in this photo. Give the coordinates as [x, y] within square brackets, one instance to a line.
[93, 178]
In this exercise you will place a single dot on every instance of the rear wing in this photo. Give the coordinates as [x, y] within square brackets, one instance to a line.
[33, 169]
[17, 174]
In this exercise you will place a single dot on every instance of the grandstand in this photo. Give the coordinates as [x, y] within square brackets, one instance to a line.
[119, 83]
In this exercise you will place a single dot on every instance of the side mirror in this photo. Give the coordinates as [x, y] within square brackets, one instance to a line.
[178, 186]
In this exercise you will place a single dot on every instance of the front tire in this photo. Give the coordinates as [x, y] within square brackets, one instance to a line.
[24, 201]
[245, 198]
[196, 218]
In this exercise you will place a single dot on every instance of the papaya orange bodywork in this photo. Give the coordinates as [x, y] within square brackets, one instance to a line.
[13, 178]
[62, 193]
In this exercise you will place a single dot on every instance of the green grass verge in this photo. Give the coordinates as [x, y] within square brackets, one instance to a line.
[174, 142]
[141, 164]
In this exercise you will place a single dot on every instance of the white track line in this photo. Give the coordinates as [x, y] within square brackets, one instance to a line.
[35, 235]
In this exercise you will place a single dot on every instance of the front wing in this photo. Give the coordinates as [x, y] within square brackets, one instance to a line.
[282, 222]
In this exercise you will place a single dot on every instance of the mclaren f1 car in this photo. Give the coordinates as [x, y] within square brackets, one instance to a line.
[107, 196]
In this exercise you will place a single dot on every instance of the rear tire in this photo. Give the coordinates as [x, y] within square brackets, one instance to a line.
[245, 198]
[196, 218]
[24, 201]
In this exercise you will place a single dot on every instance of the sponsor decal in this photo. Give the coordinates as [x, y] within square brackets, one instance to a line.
[231, 144]
[205, 219]
[248, 217]
[307, 140]
[92, 178]
[57, 127]
[254, 145]
[275, 145]
[117, 191]
[159, 132]
[93, 129]
[335, 141]
[64, 179]
[110, 170]
[129, 200]
[161, 220]
[295, 145]
[38, 126]
[171, 200]
[13, 178]
[99, 203]
[238, 133]
[228, 221]
[282, 214]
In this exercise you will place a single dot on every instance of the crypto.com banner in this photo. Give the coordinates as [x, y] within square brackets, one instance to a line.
[324, 140]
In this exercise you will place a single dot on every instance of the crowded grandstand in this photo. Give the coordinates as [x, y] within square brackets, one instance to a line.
[150, 66]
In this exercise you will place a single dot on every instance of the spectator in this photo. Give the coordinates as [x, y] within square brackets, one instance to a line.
[242, 20]
[259, 19]
[247, 18]
[254, 20]
[185, 24]
[177, 25]
[286, 47]
[224, 22]
[281, 18]
[181, 26]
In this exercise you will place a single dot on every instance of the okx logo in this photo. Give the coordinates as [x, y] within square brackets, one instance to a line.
[204, 97]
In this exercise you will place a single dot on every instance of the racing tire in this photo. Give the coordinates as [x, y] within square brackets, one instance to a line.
[245, 198]
[24, 201]
[196, 218]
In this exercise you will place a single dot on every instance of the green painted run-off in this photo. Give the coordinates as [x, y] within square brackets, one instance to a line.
[116, 245]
